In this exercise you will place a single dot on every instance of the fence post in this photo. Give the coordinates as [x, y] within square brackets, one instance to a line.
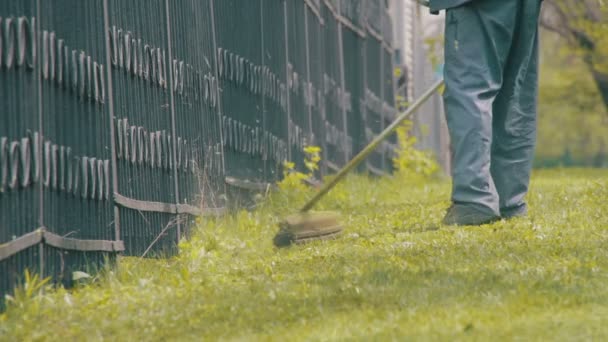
[363, 100]
[263, 59]
[287, 77]
[308, 82]
[217, 77]
[113, 166]
[172, 108]
[342, 83]
[41, 260]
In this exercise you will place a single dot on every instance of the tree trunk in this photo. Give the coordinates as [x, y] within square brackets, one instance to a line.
[601, 80]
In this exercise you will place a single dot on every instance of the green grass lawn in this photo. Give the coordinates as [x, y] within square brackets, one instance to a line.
[395, 274]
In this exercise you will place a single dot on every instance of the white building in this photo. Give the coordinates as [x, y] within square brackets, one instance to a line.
[418, 42]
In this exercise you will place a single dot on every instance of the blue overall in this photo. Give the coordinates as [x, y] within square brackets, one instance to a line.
[491, 77]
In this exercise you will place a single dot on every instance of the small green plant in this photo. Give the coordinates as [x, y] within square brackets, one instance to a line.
[313, 157]
[33, 285]
[409, 160]
[292, 188]
[293, 180]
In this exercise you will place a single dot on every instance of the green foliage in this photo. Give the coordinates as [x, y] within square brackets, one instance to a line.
[293, 190]
[395, 274]
[313, 157]
[410, 161]
[32, 286]
[573, 123]
[581, 24]
[293, 180]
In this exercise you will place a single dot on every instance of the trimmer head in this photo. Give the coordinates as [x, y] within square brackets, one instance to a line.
[309, 226]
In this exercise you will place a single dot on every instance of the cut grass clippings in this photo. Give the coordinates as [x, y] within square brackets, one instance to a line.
[394, 274]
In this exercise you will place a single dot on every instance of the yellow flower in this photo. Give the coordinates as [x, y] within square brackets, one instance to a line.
[289, 165]
[312, 149]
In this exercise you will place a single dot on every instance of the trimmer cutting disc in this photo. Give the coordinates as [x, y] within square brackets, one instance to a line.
[308, 226]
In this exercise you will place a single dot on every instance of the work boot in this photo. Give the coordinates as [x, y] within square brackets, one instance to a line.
[461, 215]
[520, 211]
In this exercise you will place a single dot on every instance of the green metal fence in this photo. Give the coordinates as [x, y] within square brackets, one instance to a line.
[122, 121]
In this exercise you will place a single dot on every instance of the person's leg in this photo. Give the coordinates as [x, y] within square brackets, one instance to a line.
[514, 122]
[477, 41]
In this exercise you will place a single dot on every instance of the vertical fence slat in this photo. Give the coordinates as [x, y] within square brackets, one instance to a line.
[173, 84]
[111, 117]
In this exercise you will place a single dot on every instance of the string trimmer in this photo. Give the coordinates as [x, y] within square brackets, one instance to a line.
[308, 226]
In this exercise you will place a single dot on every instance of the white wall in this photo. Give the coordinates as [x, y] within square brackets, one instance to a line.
[413, 24]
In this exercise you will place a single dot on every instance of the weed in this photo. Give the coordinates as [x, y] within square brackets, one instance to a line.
[409, 160]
